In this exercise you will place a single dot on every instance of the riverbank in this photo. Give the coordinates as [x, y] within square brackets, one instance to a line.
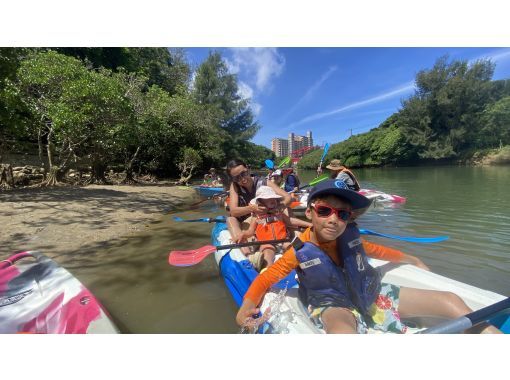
[65, 219]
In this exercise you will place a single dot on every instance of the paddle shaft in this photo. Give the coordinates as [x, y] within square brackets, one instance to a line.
[251, 243]
[469, 320]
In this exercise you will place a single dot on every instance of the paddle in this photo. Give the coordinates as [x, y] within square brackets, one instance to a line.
[269, 164]
[207, 220]
[411, 239]
[469, 320]
[326, 148]
[209, 198]
[194, 256]
[284, 162]
[315, 181]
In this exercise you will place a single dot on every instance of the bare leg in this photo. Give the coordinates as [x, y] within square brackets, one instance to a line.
[420, 302]
[234, 227]
[338, 320]
[269, 254]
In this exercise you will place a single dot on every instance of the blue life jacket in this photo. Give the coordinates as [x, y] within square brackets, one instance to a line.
[323, 283]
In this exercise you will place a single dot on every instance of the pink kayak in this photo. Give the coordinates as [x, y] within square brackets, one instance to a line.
[379, 196]
[39, 296]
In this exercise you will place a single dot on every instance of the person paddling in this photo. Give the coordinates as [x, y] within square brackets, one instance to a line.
[242, 190]
[342, 292]
[291, 181]
[340, 172]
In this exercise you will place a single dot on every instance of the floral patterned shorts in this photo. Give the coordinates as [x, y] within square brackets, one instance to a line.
[383, 314]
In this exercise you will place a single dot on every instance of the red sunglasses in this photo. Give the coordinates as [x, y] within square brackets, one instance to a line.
[324, 211]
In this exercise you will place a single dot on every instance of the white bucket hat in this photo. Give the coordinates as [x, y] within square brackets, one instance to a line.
[265, 192]
[276, 172]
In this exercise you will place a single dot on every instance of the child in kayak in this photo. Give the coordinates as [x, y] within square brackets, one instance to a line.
[272, 225]
[342, 292]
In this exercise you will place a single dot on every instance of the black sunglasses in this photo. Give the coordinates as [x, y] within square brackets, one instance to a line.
[237, 178]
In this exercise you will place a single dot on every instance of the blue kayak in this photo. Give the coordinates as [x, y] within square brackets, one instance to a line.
[289, 315]
[207, 191]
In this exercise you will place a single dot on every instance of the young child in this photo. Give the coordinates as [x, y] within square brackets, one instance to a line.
[272, 225]
[342, 292]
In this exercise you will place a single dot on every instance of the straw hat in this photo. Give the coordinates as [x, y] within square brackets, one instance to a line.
[334, 165]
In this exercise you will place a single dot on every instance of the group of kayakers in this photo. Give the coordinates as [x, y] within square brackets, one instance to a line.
[342, 292]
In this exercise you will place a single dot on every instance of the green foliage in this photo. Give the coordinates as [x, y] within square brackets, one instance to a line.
[216, 87]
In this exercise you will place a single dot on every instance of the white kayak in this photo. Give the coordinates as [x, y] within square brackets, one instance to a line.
[288, 314]
[39, 296]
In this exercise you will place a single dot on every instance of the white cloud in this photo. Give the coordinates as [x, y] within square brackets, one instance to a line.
[499, 55]
[407, 87]
[311, 91]
[244, 90]
[256, 109]
[258, 66]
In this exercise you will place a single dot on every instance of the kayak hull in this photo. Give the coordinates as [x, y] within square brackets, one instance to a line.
[206, 191]
[292, 317]
[39, 296]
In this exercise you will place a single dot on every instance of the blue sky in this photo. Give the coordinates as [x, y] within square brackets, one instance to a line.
[333, 90]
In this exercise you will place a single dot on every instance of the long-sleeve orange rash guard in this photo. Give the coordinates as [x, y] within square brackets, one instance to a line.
[288, 262]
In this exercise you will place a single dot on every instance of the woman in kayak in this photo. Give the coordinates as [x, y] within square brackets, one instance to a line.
[242, 190]
[274, 224]
[340, 172]
[342, 292]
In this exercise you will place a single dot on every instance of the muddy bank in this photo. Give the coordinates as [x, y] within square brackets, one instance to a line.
[66, 219]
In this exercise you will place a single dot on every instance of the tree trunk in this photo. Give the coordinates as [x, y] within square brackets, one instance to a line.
[6, 176]
[129, 169]
[98, 176]
[52, 179]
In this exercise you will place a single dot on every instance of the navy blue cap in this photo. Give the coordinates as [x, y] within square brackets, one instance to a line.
[339, 188]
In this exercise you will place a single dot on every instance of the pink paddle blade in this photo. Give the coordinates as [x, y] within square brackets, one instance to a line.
[191, 257]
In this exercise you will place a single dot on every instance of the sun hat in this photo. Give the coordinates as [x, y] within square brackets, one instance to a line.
[334, 165]
[277, 172]
[359, 203]
[265, 192]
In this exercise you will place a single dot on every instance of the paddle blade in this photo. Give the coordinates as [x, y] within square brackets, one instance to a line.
[424, 240]
[319, 179]
[269, 164]
[191, 257]
[285, 161]
[326, 148]
[178, 219]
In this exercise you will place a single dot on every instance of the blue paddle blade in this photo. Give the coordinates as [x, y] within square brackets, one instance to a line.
[326, 148]
[269, 164]
[219, 219]
[424, 240]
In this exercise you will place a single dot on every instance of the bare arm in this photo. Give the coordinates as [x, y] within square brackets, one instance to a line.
[295, 222]
[244, 235]
[235, 210]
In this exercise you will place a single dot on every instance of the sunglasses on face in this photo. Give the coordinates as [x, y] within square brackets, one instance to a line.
[324, 211]
[244, 174]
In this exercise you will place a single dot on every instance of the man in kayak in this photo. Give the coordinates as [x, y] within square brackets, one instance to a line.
[242, 190]
[340, 172]
[274, 224]
[291, 181]
[342, 292]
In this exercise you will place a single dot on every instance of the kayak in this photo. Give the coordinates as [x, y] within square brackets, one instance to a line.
[39, 296]
[289, 316]
[207, 191]
[379, 196]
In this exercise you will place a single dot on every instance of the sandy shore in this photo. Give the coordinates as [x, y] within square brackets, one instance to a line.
[62, 220]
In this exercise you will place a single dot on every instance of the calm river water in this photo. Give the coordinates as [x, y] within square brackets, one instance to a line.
[469, 204]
